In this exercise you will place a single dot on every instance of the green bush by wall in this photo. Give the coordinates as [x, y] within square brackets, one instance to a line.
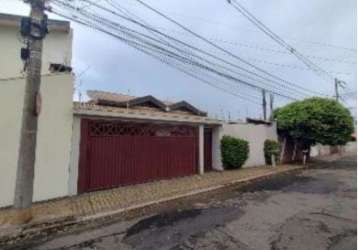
[234, 152]
[271, 147]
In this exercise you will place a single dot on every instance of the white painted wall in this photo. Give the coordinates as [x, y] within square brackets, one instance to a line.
[55, 121]
[57, 48]
[350, 147]
[320, 150]
[254, 134]
[53, 140]
[75, 155]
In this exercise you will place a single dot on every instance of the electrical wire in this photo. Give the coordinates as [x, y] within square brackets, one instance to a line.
[213, 44]
[66, 4]
[141, 48]
[176, 40]
[260, 48]
[314, 67]
[204, 20]
[185, 59]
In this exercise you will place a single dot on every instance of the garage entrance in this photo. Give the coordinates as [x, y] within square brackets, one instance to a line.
[116, 153]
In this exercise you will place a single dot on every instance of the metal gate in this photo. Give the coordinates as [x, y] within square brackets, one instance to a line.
[116, 153]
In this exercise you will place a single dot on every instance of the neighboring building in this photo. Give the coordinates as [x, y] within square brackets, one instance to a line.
[55, 121]
[57, 47]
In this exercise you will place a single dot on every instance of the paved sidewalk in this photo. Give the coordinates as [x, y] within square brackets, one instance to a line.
[100, 203]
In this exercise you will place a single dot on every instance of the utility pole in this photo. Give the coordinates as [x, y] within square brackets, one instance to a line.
[336, 88]
[271, 106]
[33, 29]
[264, 104]
[337, 84]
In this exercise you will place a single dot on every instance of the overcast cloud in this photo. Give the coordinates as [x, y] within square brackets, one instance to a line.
[113, 66]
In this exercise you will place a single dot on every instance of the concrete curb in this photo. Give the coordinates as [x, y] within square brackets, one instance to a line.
[31, 232]
[192, 193]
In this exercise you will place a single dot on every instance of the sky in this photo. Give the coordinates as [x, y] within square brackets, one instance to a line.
[324, 30]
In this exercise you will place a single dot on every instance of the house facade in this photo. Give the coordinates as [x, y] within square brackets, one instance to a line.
[110, 141]
[123, 140]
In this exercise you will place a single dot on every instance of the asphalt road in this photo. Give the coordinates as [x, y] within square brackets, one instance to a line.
[313, 210]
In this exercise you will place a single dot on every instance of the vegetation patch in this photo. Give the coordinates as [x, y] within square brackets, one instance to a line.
[315, 120]
[234, 152]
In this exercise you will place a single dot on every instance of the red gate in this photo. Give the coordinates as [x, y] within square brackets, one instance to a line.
[116, 153]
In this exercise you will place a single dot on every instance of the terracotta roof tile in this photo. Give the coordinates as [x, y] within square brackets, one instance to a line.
[81, 108]
[104, 98]
[116, 97]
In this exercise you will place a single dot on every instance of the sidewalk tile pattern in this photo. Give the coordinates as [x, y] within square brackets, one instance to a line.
[124, 197]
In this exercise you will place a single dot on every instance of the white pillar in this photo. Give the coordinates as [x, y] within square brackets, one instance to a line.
[217, 134]
[201, 149]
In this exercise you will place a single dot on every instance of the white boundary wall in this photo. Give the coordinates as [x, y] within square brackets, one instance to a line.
[254, 134]
[320, 150]
[53, 140]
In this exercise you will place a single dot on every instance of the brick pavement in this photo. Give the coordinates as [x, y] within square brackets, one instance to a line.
[121, 198]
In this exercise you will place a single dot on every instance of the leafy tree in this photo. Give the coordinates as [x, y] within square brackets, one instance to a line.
[315, 120]
[234, 152]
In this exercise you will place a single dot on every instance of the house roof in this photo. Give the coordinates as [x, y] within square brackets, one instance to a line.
[15, 20]
[96, 95]
[94, 110]
[127, 101]
[258, 121]
[187, 106]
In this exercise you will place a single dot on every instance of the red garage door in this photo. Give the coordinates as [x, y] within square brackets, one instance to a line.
[113, 154]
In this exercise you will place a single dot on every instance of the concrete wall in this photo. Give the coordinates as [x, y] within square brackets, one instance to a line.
[320, 150]
[254, 134]
[53, 140]
[57, 49]
[350, 147]
[75, 155]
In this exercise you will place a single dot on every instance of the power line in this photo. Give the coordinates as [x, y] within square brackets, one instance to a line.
[205, 52]
[260, 48]
[315, 68]
[214, 45]
[290, 66]
[175, 55]
[204, 20]
[113, 5]
[139, 47]
[151, 29]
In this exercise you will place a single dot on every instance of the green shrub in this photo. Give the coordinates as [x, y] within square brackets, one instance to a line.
[234, 152]
[271, 147]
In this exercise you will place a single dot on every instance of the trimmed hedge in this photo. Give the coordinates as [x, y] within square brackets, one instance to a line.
[271, 147]
[234, 152]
